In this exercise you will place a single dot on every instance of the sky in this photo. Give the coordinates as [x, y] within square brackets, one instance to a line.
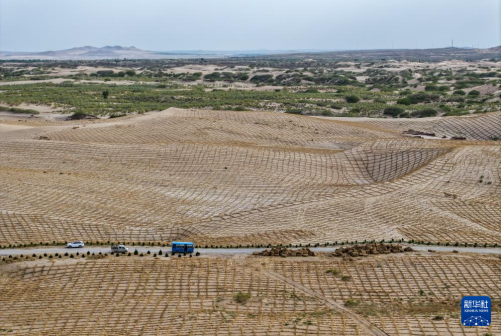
[167, 25]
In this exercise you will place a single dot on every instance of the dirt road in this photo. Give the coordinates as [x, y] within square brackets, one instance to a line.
[365, 324]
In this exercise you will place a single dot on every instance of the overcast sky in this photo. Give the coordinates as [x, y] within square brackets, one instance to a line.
[162, 25]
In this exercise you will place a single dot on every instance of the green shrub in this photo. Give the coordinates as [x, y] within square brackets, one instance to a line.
[17, 110]
[242, 298]
[351, 303]
[352, 99]
[474, 93]
[459, 93]
[455, 99]
[418, 98]
[393, 111]
[423, 98]
[213, 76]
[105, 73]
[77, 115]
[455, 113]
[429, 112]
[293, 111]
[261, 78]
[404, 101]
[243, 76]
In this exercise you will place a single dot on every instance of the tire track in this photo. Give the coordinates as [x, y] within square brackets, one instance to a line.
[365, 324]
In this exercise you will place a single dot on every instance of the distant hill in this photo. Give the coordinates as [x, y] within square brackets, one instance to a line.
[114, 52]
[87, 52]
[495, 49]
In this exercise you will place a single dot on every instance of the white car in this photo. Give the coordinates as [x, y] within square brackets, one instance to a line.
[119, 249]
[75, 244]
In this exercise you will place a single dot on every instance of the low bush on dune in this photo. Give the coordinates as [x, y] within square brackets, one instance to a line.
[79, 115]
[261, 78]
[404, 101]
[393, 111]
[429, 112]
[17, 110]
[352, 99]
[417, 98]
[242, 298]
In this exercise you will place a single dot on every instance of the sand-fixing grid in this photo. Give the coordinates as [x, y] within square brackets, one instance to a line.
[249, 178]
[222, 177]
[410, 294]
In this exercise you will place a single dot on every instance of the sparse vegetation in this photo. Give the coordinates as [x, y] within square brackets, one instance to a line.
[17, 110]
[393, 111]
[351, 303]
[241, 298]
[327, 89]
[424, 113]
[332, 271]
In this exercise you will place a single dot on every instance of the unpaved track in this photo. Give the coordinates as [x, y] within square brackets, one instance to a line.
[365, 324]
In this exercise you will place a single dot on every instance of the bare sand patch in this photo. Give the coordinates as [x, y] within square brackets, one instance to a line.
[10, 128]
[193, 68]
[54, 80]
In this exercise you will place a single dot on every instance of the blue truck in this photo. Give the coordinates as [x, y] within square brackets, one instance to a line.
[183, 247]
